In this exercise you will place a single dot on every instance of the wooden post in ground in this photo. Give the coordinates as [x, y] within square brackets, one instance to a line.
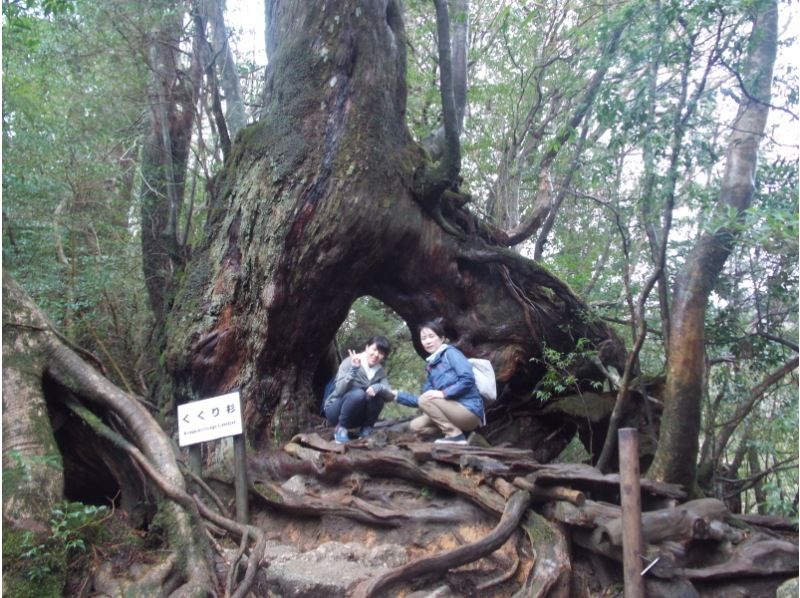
[240, 478]
[195, 460]
[631, 501]
[240, 474]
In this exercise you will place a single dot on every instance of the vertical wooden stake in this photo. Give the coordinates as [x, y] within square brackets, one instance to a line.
[631, 499]
[240, 478]
[195, 460]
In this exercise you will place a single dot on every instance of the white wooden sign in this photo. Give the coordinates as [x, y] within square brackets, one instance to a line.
[209, 419]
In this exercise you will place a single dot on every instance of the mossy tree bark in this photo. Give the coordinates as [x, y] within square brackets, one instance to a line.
[33, 353]
[33, 479]
[328, 198]
[676, 456]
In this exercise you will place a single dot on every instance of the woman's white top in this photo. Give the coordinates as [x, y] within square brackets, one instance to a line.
[370, 371]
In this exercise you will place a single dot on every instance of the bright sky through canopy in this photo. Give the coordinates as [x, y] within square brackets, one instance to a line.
[245, 19]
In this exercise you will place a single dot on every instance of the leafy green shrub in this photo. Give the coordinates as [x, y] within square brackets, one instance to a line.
[74, 527]
[558, 378]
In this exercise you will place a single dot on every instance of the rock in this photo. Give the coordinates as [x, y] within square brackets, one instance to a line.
[388, 555]
[295, 484]
[328, 570]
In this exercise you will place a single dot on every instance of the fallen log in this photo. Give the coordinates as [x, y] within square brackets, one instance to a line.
[514, 510]
[538, 494]
[499, 462]
[722, 532]
[769, 521]
[429, 450]
[751, 558]
[587, 477]
[590, 514]
[488, 460]
[691, 520]
[316, 441]
[551, 493]
[659, 561]
[390, 462]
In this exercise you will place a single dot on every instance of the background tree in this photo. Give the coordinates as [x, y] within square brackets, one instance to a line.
[70, 157]
[680, 430]
[173, 91]
[601, 187]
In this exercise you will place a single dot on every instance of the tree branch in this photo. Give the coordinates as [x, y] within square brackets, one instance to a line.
[777, 339]
[753, 480]
[756, 394]
[526, 228]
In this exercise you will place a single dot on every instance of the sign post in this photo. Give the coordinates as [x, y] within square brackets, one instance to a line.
[210, 419]
[240, 475]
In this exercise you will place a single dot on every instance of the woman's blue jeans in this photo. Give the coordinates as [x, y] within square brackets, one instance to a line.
[354, 409]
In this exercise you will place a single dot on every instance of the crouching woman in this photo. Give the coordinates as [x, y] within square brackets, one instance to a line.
[450, 401]
[359, 391]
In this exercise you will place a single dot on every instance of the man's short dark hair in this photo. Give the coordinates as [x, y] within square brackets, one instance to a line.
[381, 343]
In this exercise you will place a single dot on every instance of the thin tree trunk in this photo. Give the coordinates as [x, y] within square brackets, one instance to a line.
[747, 405]
[235, 112]
[172, 94]
[649, 178]
[758, 486]
[676, 455]
[453, 60]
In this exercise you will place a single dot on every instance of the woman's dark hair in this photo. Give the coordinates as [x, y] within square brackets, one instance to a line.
[381, 343]
[436, 325]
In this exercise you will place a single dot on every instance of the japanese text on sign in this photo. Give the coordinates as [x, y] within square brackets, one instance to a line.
[209, 419]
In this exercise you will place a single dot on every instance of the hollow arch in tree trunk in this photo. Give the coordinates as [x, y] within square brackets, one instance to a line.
[327, 198]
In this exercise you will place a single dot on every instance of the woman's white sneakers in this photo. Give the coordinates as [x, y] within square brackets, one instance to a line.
[458, 439]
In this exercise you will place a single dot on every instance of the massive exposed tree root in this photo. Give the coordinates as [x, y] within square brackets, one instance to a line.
[559, 508]
[486, 519]
[101, 405]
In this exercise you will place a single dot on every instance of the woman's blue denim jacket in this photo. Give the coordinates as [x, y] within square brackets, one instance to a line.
[450, 372]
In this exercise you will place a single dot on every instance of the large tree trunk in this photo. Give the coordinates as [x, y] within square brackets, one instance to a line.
[675, 459]
[33, 475]
[33, 478]
[328, 198]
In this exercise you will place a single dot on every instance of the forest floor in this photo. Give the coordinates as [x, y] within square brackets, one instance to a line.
[337, 518]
